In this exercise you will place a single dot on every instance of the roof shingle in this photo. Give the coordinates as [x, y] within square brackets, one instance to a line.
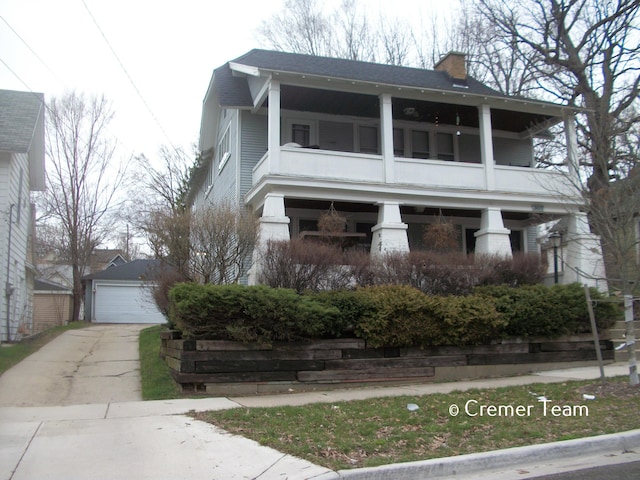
[19, 112]
[234, 91]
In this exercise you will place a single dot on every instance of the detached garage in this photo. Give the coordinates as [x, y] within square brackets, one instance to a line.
[121, 294]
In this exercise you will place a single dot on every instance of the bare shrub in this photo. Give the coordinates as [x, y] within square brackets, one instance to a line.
[522, 269]
[453, 273]
[362, 272]
[165, 277]
[222, 238]
[304, 265]
[432, 273]
[450, 273]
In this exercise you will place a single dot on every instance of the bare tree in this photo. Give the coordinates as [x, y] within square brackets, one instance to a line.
[585, 53]
[348, 31]
[222, 239]
[83, 180]
[159, 208]
[301, 27]
[352, 35]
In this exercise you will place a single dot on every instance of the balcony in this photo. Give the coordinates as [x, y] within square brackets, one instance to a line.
[430, 175]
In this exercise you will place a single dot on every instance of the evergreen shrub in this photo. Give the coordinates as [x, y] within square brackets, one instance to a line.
[384, 315]
[539, 311]
[248, 314]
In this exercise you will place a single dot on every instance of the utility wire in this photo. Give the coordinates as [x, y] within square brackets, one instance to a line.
[17, 76]
[30, 49]
[129, 76]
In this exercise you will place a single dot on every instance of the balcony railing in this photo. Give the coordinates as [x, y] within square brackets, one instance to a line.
[356, 167]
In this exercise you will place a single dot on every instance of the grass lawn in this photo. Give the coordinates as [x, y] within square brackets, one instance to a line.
[157, 383]
[16, 352]
[383, 431]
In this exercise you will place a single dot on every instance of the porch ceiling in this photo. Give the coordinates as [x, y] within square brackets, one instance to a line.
[353, 207]
[356, 104]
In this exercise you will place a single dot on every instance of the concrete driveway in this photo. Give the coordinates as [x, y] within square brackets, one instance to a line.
[97, 364]
[72, 411]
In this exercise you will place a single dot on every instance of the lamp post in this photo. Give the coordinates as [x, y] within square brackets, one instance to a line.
[555, 239]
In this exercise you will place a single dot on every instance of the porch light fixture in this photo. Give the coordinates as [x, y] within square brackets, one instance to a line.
[556, 239]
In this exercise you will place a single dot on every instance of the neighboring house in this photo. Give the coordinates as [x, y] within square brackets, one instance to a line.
[122, 294]
[391, 148]
[104, 258]
[51, 268]
[22, 153]
[52, 305]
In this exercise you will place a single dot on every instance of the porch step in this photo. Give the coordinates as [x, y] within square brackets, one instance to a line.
[617, 333]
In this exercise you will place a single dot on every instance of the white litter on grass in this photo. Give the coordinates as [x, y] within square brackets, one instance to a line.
[412, 407]
[542, 398]
[586, 396]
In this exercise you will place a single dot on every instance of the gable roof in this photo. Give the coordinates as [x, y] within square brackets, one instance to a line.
[41, 284]
[232, 90]
[20, 113]
[139, 270]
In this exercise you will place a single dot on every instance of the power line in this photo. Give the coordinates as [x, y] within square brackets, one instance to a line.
[16, 75]
[129, 76]
[29, 47]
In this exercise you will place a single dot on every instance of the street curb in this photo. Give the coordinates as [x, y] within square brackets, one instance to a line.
[499, 459]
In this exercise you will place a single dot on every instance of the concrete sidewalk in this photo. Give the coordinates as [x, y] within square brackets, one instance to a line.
[154, 440]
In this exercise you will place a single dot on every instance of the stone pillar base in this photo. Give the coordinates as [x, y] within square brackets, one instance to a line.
[390, 233]
[493, 238]
[274, 226]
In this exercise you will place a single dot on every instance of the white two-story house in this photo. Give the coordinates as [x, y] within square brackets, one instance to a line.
[21, 172]
[392, 148]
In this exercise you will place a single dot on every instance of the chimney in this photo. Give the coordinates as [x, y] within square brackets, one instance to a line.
[453, 63]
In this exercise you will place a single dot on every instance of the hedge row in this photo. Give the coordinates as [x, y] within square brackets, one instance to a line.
[388, 315]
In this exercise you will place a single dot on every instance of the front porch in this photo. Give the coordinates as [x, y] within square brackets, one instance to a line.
[391, 226]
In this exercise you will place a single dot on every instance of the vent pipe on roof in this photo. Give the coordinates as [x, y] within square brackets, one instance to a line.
[453, 63]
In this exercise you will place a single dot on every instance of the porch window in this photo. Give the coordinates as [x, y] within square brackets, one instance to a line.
[368, 139]
[301, 134]
[445, 147]
[398, 142]
[419, 144]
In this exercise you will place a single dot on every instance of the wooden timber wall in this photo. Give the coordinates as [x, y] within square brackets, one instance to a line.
[231, 368]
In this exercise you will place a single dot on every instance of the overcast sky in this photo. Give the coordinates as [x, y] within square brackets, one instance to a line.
[168, 49]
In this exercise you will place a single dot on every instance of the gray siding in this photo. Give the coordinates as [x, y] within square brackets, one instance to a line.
[14, 170]
[253, 147]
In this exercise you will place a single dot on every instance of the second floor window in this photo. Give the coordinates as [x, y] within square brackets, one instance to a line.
[368, 139]
[420, 144]
[301, 134]
[445, 147]
[223, 153]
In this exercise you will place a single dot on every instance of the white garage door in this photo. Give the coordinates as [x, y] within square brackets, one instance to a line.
[125, 304]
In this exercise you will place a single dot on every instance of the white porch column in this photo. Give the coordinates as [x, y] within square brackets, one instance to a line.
[273, 123]
[486, 146]
[493, 238]
[390, 233]
[386, 135]
[274, 226]
[582, 253]
[572, 148]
